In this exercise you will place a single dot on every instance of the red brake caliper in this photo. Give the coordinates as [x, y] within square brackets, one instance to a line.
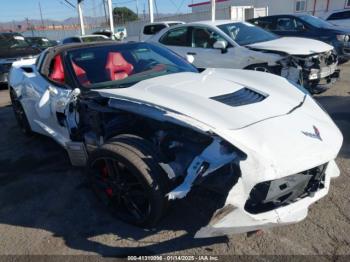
[104, 174]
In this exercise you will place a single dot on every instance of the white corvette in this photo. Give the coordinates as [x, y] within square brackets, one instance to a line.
[150, 127]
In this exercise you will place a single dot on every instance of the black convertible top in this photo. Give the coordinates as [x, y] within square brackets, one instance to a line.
[72, 46]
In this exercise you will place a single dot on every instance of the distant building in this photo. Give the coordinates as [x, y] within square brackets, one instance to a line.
[314, 7]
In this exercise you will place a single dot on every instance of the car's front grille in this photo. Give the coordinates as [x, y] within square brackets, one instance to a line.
[269, 195]
[244, 96]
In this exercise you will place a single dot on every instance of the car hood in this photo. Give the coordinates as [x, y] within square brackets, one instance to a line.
[14, 53]
[191, 94]
[293, 46]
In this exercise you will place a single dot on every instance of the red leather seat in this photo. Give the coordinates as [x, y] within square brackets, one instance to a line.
[117, 68]
[81, 74]
[57, 73]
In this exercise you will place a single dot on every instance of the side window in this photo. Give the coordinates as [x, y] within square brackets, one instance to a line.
[56, 70]
[289, 24]
[71, 40]
[339, 16]
[265, 23]
[204, 37]
[176, 37]
[153, 29]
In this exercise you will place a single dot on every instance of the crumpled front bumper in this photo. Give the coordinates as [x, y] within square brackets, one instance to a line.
[326, 83]
[234, 220]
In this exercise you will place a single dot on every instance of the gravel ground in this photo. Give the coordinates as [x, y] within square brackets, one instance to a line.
[47, 208]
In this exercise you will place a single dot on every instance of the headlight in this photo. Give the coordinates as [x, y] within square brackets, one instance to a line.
[343, 38]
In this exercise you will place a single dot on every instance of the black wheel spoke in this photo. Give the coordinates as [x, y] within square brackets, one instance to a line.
[132, 207]
[113, 171]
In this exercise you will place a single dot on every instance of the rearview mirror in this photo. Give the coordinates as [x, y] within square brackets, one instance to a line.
[190, 58]
[222, 45]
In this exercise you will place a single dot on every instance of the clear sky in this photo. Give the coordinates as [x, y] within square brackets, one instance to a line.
[59, 10]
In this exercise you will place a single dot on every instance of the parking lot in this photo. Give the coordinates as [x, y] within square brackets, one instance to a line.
[46, 206]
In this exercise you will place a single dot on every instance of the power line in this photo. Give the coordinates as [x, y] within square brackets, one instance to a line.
[177, 11]
[70, 3]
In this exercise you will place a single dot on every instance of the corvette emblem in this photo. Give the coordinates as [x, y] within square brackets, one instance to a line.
[316, 133]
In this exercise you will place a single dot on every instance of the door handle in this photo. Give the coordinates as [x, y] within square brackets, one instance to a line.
[192, 53]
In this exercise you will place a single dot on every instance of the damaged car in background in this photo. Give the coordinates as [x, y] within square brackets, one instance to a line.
[149, 127]
[241, 45]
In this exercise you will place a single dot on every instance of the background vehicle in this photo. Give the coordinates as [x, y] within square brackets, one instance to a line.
[120, 33]
[85, 39]
[152, 28]
[40, 42]
[149, 127]
[240, 45]
[310, 27]
[13, 47]
[339, 18]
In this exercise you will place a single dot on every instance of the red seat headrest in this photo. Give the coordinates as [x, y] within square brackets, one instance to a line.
[81, 74]
[117, 67]
[57, 73]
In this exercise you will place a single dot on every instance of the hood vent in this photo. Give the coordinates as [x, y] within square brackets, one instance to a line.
[244, 96]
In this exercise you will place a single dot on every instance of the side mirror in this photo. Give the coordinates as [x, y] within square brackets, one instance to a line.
[190, 58]
[222, 45]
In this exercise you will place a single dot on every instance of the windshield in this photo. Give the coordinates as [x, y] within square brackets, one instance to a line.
[245, 33]
[315, 21]
[123, 65]
[12, 41]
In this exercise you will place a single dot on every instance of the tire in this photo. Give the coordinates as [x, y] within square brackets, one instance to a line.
[126, 176]
[20, 114]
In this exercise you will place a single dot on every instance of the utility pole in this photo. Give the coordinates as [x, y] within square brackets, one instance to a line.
[155, 5]
[137, 8]
[104, 9]
[41, 16]
[150, 10]
[213, 10]
[144, 12]
[29, 27]
[80, 14]
[111, 20]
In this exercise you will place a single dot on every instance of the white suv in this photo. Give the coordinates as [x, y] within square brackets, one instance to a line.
[241, 45]
[152, 28]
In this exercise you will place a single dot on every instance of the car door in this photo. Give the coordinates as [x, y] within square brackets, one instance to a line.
[52, 95]
[202, 48]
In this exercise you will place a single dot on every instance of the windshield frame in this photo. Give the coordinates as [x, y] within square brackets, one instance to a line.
[116, 84]
[223, 28]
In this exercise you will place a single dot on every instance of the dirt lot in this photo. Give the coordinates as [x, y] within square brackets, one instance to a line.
[46, 206]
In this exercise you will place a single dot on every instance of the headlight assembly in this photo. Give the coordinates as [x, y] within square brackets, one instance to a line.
[343, 38]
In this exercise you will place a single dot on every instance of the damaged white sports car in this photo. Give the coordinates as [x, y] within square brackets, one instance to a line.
[149, 127]
[241, 45]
